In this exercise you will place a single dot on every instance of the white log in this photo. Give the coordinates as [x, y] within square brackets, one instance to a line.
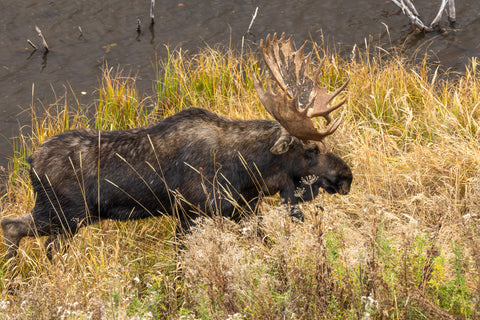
[411, 12]
[451, 11]
[152, 14]
[44, 43]
[440, 12]
[412, 7]
[414, 19]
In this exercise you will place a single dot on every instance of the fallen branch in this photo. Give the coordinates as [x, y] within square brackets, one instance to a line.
[411, 12]
[450, 10]
[253, 19]
[152, 15]
[44, 43]
[35, 48]
[249, 27]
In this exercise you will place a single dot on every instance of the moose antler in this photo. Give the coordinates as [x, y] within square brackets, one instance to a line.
[302, 98]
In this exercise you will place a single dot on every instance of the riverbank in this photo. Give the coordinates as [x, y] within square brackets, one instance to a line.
[404, 244]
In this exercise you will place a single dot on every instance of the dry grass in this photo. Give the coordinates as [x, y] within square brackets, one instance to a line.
[404, 244]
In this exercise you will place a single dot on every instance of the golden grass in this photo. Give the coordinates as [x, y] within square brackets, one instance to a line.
[404, 244]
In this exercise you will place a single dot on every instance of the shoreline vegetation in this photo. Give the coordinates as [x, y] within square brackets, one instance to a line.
[404, 244]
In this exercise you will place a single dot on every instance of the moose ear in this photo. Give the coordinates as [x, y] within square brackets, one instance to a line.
[282, 144]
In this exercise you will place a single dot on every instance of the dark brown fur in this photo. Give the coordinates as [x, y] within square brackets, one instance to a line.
[192, 162]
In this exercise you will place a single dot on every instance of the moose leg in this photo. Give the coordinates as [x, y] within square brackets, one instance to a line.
[57, 244]
[14, 229]
[290, 199]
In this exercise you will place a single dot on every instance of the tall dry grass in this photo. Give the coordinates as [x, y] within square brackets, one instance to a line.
[404, 244]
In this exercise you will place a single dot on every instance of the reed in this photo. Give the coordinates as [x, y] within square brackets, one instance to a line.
[404, 244]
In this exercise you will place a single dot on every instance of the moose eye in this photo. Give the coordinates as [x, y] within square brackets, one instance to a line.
[314, 149]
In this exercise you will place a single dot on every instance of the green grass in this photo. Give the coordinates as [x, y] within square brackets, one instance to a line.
[404, 244]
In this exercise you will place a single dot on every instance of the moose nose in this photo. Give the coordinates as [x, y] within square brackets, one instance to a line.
[344, 189]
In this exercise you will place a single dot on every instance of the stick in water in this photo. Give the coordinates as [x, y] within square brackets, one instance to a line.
[411, 12]
[249, 27]
[251, 22]
[414, 18]
[451, 11]
[139, 26]
[439, 14]
[152, 15]
[35, 48]
[45, 45]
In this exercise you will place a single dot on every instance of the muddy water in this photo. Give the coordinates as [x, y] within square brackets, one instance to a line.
[109, 35]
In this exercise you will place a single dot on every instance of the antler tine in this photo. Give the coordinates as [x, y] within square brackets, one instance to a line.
[312, 113]
[334, 126]
[336, 92]
[280, 57]
[301, 65]
[259, 88]
[272, 65]
[318, 70]
[321, 107]
[300, 50]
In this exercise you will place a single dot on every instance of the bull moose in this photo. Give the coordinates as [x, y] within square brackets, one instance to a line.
[194, 162]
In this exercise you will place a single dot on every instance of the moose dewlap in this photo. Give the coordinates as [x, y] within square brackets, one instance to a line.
[192, 163]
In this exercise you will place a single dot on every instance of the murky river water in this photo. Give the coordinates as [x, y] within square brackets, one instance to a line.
[109, 34]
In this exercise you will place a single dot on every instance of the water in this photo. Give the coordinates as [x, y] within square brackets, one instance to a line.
[75, 60]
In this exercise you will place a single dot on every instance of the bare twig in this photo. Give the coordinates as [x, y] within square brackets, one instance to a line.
[451, 11]
[44, 43]
[139, 26]
[409, 10]
[249, 27]
[152, 15]
[32, 44]
[253, 19]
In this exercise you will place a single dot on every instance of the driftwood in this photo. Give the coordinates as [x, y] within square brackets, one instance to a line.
[44, 43]
[251, 22]
[249, 28]
[411, 12]
[139, 25]
[152, 14]
[33, 45]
